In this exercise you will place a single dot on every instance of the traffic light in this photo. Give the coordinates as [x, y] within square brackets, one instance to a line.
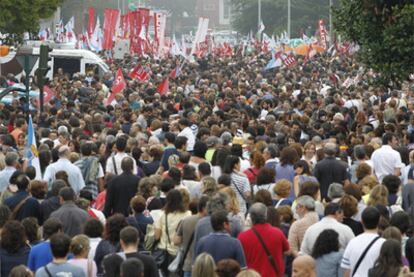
[42, 71]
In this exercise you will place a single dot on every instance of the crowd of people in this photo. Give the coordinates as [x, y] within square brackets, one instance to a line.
[235, 171]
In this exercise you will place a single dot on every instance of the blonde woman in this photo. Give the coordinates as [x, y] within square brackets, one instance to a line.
[79, 246]
[379, 196]
[233, 206]
[367, 184]
[204, 266]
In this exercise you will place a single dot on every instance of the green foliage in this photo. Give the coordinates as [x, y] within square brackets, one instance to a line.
[385, 33]
[19, 16]
[304, 14]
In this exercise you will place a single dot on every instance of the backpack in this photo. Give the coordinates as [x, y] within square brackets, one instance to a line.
[89, 167]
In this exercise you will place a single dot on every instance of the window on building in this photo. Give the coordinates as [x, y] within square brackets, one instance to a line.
[226, 9]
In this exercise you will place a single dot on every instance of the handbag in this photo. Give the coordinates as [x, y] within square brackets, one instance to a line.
[161, 256]
[177, 264]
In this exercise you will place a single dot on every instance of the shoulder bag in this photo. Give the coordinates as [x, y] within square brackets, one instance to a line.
[268, 254]
[361, 258]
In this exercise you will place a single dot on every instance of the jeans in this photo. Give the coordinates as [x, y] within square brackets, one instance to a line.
[187, 273]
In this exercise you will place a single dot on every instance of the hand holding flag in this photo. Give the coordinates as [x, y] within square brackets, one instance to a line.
[117, 87]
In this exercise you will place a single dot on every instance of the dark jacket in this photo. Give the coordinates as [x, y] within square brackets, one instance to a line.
[119, 192]
[10, 260]
[48, 206]
[329, 171]
[31, 208]
[72, 218]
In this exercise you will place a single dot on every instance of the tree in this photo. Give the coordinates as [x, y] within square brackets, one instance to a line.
[304, 13]
[19, 16]
[384, 30]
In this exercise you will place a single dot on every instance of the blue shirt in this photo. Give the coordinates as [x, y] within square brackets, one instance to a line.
[40, 255]
[221, 246]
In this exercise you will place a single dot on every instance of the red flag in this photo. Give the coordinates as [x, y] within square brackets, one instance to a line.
[140, 73]
[111, 17]
[163, 88]
[48, 94]
[311, 52]
[91, 21]
[117, 87]
[289, 61]
[175, 73]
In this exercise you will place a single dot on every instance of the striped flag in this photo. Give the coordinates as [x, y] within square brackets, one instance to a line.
[32, 154]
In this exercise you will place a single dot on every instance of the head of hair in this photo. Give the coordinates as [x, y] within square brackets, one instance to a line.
[402, 221]
[138, 204]
[392, 232]
[273, 217]
[258, 213]
[12, 236]
[189, 172]
[113, 226]
[127, 164]
[248, 273]
[132, 267]
[282, 188]
[354, 190]
[30, 172]
[121, 143]
[174, 202]
[79, 245]
[204, 265]
[289, 155]
[224, 179]
[409, 252]
[265, 176]
[392, 183]
[335, 190]
[257, 159]
[326, 242]
[349, 205]
[209, 185]
[332, 209]
[227, 268]
[204, 169]
[93, 228]
[38, 189]
[5, 214]
[330, 149]
[86, 149]
[263, 196]
[387, 138]
[112, 265]
[286, 214]
[51, 227]
[22, 182]
[200, 149]
[307, 202]
[304, 165]
[67, 194]
[11, 158]
[378, 195]
[59, 244]
[57, 185]
[20, 271]
[129, 235]
[218, 219]
[310, 188]
[170, 137]
[31, 228]
[218, 202]
[370, 218]
[230, 164]
[389, 261]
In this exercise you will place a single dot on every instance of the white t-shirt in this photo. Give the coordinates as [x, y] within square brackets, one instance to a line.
[386, 160]
[355, 249]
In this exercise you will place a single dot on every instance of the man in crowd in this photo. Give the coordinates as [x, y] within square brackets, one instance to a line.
[219, 244]
[59, 244]
[11, 161]
[264, 245]
[75, 177]
[121, 189]
[71, 216]
[354, 262]
[113, 164]
[332, 220]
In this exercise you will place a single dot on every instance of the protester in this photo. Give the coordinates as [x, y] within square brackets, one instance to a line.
[60, 244]
[326, 254]
[256, 240]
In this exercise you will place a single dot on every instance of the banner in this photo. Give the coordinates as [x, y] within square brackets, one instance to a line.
[95, 42]
[117, 87]
[160, 21]
[140, 73]
[32, 154]
[163, 87]
[111, 18]
[91, 21]
[200, 34]
[323, 34]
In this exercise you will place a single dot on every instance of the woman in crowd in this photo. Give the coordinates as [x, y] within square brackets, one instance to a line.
[310, 154]
[284, 169]
[138, 219]
[257, 162]
[281, 191]
[302, 175]
[79, 247]
[265, 179]
[190, 181]
[110, 242]
[13, 248]
[204, 266]
[389, 262]
[326, 253]
[166, 226]
[349, 207]
[239, 181]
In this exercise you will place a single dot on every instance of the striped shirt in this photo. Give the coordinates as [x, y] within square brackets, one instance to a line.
[240, 185]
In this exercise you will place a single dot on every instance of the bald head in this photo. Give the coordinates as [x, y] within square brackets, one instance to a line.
[304, 266]
[330, 149]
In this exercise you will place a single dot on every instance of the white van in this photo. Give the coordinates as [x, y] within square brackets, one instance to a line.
[70, 60]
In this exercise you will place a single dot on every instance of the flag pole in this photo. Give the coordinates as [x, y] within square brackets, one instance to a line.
[289, 14]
